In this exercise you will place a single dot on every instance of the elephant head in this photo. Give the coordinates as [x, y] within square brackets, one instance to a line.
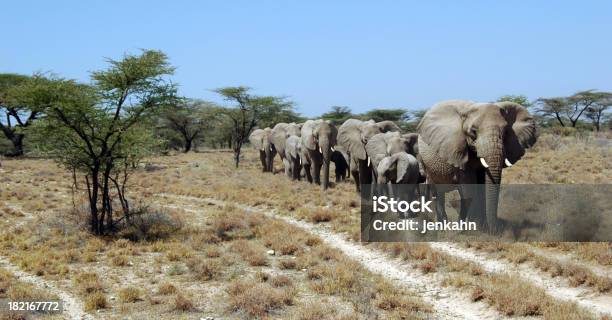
[398, 168]
[412, 140]
[386, 144]
[319, 136]
[480, 137]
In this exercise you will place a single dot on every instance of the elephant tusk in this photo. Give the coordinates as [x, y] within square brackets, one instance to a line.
[271, 149]
[507, 162]
[332, 149]
[368, 161]
[484, 163]
[320, 150]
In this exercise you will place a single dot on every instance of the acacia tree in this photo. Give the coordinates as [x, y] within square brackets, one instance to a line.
[247, 112]
[553, 107]
[581, 102]
[597, 110]
[97, 130]
[516, 98]
[23, 100]
[189, 119]
[338, 114]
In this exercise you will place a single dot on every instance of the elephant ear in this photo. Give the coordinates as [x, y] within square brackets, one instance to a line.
[349, 137]
[309, 140]
[384, 166]
[402, 161]
[278, 136]
[256, 139]
[523, 133]
[376, 147]
[442, 129]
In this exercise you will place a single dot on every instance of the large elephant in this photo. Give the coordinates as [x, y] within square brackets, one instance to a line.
[260, 140]
[280, 133]
[462, 142]
[353, 135]
[318, 141]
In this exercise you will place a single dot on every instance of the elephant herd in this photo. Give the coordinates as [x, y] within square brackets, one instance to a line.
[457, 143]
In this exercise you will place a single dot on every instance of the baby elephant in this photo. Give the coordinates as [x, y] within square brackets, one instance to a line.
[399, 168]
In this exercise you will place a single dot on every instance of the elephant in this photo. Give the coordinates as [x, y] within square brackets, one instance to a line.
[353, 135]
[280, 133]
[400, 167]
[340, 159]
[318, 141]
[382, 145]
[293, 146]
[260, 139]
[463, 142]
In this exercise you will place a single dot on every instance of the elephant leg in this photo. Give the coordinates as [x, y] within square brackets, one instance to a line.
[440, 205]
[287, 165]
[354, 168]
[307, 172]
[264, 163]
[365, 173]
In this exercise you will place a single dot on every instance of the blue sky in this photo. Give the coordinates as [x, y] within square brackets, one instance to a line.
[362, 54]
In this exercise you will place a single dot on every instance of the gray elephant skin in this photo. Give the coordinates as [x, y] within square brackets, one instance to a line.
[462, 142]
[353, 135]
[280, 133]
[260, 140]
[318, 141]
[293, 146]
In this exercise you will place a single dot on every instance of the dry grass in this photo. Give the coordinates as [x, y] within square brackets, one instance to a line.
[130, 295]
[258, 299]
[166, 289]
[182, 303]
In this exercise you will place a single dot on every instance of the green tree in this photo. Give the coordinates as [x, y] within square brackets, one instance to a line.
[553, 107]
[100, 130]
[23, 100]
[246, 113]
[187, 120]
[580, 102]
[597, 111]
[520, 99]
[395, 115]
[338, 114]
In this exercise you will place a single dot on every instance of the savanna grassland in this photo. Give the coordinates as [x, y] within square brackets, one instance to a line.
[215, 241]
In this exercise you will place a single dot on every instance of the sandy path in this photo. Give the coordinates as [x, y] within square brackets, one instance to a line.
[73, 309]
[555, 287]
[448, 302]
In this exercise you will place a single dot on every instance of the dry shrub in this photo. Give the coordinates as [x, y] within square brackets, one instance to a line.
[287, 264]
[250, 252]
[129, 295]
[258, 299]
[204, 269]
[144, 223]
[166, 288]
[87, 283]
[315, 311]
[120, 261]
[280, 281]
[182, 303]
[321, 216]
[95, 301]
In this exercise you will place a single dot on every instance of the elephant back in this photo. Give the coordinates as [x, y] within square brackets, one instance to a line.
[291, 147]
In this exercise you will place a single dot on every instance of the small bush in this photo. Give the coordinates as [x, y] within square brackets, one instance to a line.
[95, 301]
[204, 269]
[146, 224]
[182, 303]
[129, 295]
[166, 288]
[258, 299]
[250, 252]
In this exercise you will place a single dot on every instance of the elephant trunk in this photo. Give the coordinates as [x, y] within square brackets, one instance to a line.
[269, 156]
[325, 149]
[493, 162]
